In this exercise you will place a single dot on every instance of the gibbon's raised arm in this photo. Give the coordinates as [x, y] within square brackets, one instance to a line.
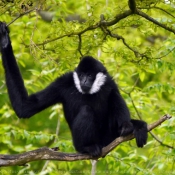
[25, 106]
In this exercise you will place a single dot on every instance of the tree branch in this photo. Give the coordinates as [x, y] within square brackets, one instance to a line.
[158, 140]
[20, 15]
[119, 140]
[132, 5]
[79, 45]
[52, 154]
[149, 18]
[161, 9]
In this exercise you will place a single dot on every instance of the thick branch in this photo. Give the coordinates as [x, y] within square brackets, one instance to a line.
[51, 154]
[117, 18]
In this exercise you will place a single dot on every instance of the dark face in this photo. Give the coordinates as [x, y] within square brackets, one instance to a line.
[86, 81]
[89, 76]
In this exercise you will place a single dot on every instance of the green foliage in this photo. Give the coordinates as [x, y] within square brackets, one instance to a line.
[144, 70]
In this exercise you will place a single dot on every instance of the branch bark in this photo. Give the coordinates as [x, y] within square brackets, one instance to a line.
[51, 154]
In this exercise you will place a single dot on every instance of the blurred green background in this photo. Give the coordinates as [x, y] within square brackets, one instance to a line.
[46, 45]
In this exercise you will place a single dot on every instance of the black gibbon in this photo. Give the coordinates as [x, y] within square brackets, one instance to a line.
[94, 109]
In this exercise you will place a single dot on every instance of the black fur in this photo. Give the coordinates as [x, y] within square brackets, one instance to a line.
[94, 119]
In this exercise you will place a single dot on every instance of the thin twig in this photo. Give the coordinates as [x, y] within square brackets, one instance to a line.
[20, 15]
[79, 45]
[94, 166]
[164, 11]
[153, 135]
[166, 54]
[55, 140]
[118, 37]
[155, 7]
[149, 18]
[158, 140]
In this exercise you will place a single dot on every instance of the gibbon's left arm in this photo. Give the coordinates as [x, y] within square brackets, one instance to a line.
[25, 106]
[126, 125]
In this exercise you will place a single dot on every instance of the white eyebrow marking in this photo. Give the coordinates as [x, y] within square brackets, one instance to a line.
[77, 82]
[99, 81]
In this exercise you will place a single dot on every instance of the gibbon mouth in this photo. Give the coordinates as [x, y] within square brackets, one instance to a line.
[85, 88]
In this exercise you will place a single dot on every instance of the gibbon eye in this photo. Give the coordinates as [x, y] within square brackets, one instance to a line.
[81, 75]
